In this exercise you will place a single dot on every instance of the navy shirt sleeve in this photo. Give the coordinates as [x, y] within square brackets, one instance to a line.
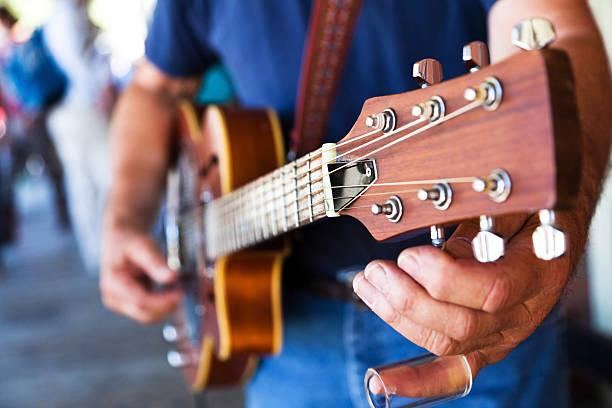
[176, 43]
[487, 4]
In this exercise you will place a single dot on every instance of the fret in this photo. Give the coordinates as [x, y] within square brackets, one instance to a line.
[284, 205]
[297, 201]
[244, 239]
[224, 239]
[270, 200]
[227, 237]
[262, 208]
[233, 225]
[250, 212]
[256, 218]
[310, 213]
[235, 221]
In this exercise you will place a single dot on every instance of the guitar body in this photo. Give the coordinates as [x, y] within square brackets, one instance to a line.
[232, 305]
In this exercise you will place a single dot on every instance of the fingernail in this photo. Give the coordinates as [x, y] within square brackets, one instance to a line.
[377, 276]
[365, 290]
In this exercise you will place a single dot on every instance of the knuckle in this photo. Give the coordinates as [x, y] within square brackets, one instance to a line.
[139, 301]
[388, 313]
[466, 325]
[405, 301]
[497, 295]
[147, 319]
[440, 344]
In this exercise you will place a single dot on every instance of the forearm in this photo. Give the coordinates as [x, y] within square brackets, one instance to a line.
[578, 36]
[141, 138]
[140, 145]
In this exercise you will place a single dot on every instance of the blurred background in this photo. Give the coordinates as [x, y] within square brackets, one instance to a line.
[59, 347]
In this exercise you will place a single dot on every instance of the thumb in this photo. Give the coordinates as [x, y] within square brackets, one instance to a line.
[143, 253]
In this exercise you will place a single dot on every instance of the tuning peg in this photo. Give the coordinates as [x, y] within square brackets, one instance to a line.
[533, 34]
[427, 72]
[177, 359]
[548, 240]
[497, 185]
[475, 55]
[487, 245]
[441, 195]
[438, 238]
[170, 333]
[393, 209]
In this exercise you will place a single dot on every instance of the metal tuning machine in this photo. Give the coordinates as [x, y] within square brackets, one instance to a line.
[497, 185]
[176, 359]
[437, 235]
[475, 55]
[170, 333]
[548, 240]
[427, 72]
[393, 209]
[384, 121]
[440, 195]
[487, 245]
[533, 34]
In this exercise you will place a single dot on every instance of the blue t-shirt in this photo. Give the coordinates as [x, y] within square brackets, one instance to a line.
[261, 45]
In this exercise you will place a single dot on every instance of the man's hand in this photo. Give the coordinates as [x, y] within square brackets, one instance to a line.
[449, 303]
[131, 264]
[141, 140]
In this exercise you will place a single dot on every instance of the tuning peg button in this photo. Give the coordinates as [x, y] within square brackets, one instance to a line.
[487, 245]
[475, 55]
[177, 359]
[533, 34]
[170, 333]
[427, 72]
[548, 241]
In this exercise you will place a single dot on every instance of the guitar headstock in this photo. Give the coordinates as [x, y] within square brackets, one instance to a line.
[501, 139]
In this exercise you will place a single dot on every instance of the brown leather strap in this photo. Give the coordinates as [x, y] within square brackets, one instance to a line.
[332, 24]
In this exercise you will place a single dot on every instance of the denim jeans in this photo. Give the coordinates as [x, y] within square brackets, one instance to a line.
[328, 346]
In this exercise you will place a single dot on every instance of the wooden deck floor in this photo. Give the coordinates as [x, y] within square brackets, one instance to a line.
[59, 347]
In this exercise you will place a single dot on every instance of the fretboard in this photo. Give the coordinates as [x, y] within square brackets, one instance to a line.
[288, 198]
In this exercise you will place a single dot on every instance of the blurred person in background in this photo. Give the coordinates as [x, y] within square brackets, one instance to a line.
[29, 87]
[79, 123]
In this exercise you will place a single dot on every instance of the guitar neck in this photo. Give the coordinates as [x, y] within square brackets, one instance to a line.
[288, 198]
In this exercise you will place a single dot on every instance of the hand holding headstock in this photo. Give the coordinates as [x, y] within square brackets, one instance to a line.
[500, 140]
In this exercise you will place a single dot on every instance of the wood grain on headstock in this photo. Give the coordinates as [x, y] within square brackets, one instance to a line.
[534, 135]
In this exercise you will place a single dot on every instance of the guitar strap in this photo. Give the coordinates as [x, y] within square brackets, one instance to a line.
[330, 31]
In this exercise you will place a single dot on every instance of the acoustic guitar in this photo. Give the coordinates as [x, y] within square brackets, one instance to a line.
[502, 139]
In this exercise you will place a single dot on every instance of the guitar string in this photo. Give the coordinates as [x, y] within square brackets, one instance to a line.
[264, 237]
[452, 115]
[294, 165]
[318, 154]
[263, 226]
[192, 212]
[466, 108]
